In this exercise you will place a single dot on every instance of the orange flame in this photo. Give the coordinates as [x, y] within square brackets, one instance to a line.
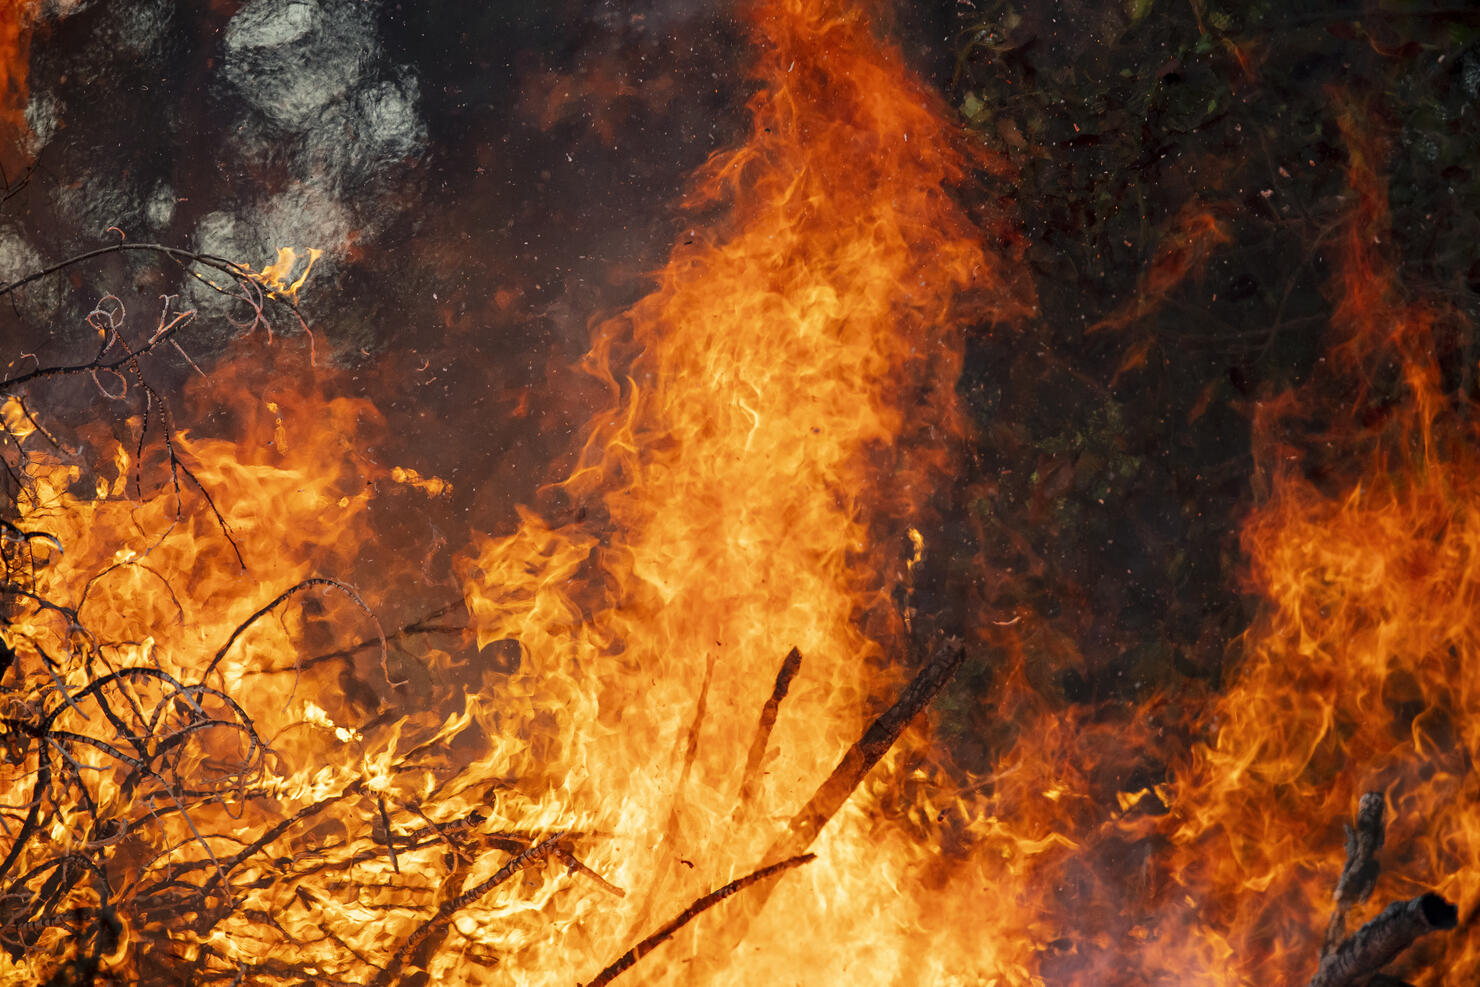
[16, 17]
[782, 419]
[782, 406]
[1353, 677]
[275, 276]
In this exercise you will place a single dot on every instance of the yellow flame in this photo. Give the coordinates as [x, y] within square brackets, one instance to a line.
[274, 277]
[432, 486]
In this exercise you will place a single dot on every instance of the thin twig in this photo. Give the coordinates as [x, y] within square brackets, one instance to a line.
[518, 862]
[624, 962]
[757, 756]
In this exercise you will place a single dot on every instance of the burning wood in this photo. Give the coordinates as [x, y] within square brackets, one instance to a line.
[1376, 944]
[1358, 959]
[1359, 873]
[202, 787]
[758, 745]
[867, 750]
[624, 962]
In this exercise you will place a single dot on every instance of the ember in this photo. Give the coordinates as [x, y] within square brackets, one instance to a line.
[300, 684]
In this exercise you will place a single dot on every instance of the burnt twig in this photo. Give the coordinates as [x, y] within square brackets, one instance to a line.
[866, 752]
[392, 973]
[625, 961]
[284, 596]
[240, 273]
[756, 758]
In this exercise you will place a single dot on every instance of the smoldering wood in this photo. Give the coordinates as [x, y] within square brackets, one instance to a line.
[1364, 838]
[1357, 961]
[624, 962]
[758, 744]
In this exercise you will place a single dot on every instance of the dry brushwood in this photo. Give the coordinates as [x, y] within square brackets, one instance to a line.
[170, 798]
[254, 292]
[1357, 960]
[392, 972]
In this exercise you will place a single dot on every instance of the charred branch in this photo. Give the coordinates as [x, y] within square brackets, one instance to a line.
[392, 973]
[1356, 961]
[757, 756]
[245, 279]
[288, 593]
[855, 765]
[624, 962]
[866, 752]
[1359, 874]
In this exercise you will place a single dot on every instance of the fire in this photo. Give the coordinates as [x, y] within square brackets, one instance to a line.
[275, 277]
[1353, 677]
[781, 407]
[685, 633]
[762, 449]
[15, 29]
[1220, 867]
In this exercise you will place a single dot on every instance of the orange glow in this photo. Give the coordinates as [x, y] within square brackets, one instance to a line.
[16, 17]
[1185, 251]
[1352, 679]
[782, 406]
[756, 496]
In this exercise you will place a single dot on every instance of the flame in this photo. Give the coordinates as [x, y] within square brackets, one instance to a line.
[738, 528]
[782, 406]
[16, 19]
[1353, 677]
[781, 422]
[432, 486]
[274, 277]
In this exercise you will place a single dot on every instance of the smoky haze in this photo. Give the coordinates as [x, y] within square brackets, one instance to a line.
[485, 181]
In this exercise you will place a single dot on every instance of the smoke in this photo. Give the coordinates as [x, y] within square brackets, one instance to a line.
[229, 130]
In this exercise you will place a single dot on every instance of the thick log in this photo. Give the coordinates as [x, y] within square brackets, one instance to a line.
[1356, 961]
